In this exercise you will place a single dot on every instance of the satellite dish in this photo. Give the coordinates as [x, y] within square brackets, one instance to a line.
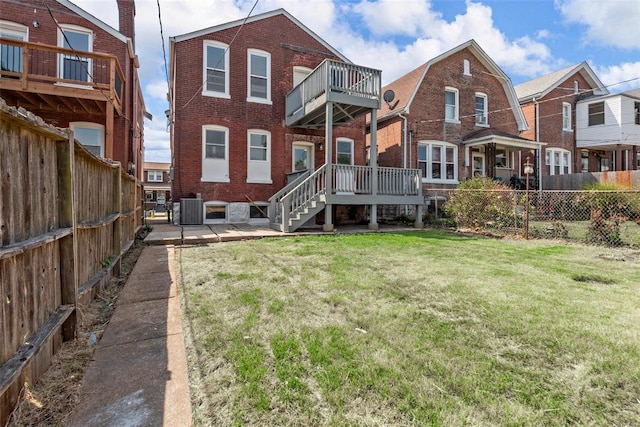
[388, 96]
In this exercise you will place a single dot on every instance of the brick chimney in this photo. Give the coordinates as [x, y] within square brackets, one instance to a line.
[127, 13]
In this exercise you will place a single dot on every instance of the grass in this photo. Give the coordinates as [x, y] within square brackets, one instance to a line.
[422, 328]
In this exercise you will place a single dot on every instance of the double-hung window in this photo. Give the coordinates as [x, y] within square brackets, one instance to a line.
[259, 158]
[259, 76]
[566, 116]
[557, 161]
[438, 162]
[215, 153]
[74, 66]
[596, 113]
[636, 113]
[451, 104]
[216, 69]
[154, 176]
[482, 111]
[90, 135]
[11, 55]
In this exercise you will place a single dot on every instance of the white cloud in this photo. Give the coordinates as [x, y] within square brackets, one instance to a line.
[383, 17]
[620, 78]
[610, 23]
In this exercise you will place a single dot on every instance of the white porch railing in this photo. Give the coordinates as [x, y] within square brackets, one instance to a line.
[296, 200]
[335, 77]
[391, 181]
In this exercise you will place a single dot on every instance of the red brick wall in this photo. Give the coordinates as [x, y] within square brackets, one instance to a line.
[25, 12]
[274, 35]
[550, 118]
[427, 111]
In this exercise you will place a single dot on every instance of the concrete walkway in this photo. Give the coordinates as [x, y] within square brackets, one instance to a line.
[138, 374]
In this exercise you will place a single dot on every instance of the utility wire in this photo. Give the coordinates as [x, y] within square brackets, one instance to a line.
[222, 56]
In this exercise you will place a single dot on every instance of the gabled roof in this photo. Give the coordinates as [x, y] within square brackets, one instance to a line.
[266, 15]
[538, 88]
[89, 17]
[406, 87]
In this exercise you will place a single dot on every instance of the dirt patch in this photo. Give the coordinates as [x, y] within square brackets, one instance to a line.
[57, 392]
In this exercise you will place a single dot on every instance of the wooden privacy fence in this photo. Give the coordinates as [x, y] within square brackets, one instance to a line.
[66, 218]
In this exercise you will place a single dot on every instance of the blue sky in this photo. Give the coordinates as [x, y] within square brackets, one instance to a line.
[526, 38]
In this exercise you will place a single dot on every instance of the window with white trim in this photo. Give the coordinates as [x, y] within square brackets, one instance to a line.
[596, 113]
[258, 212]
[154, 176]
[215, 153]
[74, 66]
[466, 68]
[259, 156]
[438, 162]
[216, 69]
[636, 113]
[90, 135]
[451, 104]
[557, 161]
[259, 76]
[344, 151]
[566, 116]
[299, 74]
[215, 212]
[482, 110]
[10, 55]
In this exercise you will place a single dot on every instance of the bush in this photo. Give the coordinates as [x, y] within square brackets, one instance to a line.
[481, 202]
[603, 230]
[611, 201]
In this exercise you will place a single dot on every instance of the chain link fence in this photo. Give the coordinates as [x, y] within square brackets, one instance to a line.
[603, 217]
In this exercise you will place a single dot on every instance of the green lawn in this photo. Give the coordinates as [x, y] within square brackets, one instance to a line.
[420, 328]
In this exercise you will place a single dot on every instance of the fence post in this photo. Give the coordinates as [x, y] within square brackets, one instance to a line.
[68, 245]
[118, 223]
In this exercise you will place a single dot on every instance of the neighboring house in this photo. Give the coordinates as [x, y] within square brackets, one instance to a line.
[73, 70]
[157, 186]
[454, 117]
[254, 104]
[608, 131]
[549, 104]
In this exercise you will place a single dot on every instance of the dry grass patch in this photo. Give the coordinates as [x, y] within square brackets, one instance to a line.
[410, 329]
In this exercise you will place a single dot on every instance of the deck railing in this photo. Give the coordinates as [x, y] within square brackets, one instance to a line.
[391, 181]
[335, 77]
[35, 64]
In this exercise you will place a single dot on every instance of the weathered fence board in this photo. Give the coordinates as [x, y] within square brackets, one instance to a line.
[66, 218]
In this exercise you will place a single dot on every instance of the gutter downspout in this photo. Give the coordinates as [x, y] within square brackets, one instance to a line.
[404, 152]
[535, 102]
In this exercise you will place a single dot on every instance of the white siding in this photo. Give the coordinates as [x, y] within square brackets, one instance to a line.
[608, 133]
[630, 130]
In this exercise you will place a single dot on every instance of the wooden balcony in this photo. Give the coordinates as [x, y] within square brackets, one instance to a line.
[43, 77]
[353, 90]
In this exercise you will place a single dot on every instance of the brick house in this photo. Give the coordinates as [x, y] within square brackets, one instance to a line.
[73, 70]
[454, 117]
[267, 124]
[157, 186]
[549, 104]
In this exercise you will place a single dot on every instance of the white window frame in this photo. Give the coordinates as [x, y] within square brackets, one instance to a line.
[154, 176]
[214, 93]
[466, 67]
[350, 153]
[18, 32]
[218, 204]
[267, 56]
[215, 169]
[557, 161]
[485, 110]
[259, 171]
[90, 126]
[443, 145]
[456, 107]
[299, 74]
[566, 117]
[62, 57]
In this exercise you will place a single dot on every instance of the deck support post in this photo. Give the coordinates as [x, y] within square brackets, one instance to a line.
[418, 223]
[328, 142]
[373, 162]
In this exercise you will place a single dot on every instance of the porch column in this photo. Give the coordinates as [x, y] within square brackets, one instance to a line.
[634, 158]
[619, 159]
[373, 158]
[328, 137]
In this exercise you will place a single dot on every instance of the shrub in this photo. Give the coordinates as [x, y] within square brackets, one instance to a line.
[480, 202]
[603, 230]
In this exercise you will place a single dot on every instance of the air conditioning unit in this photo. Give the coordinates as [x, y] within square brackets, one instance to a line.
[191, 211]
